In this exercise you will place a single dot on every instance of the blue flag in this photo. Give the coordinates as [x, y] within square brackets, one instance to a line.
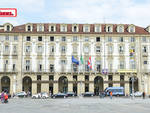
[75, 60]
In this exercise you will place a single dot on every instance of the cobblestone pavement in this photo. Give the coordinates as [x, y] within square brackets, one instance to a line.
[77, 105]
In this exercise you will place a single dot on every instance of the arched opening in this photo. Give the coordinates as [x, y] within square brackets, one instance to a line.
[27, 84]
[8, 28]
[5, 84]
[135, 81]
[98, 85]
[63, 84]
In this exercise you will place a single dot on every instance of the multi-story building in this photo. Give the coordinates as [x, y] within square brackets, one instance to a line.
[37, 57]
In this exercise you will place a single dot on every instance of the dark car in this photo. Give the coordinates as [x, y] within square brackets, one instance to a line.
[71, 94]
[59, 95]
[88, 94]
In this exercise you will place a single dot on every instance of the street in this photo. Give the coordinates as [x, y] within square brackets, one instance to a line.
[76, 105]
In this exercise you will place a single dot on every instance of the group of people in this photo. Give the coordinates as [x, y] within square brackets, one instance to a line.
[4, 97]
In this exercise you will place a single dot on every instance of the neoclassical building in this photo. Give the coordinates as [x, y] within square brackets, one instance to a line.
[37, 57]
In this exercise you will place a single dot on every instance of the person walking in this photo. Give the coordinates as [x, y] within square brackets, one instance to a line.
[2, 97]
[143, 94]
[110, 95]
[5, 98]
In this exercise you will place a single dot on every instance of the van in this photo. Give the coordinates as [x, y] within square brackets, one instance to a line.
[116, 91]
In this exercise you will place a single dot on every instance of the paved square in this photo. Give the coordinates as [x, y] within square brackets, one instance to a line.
[76, 105]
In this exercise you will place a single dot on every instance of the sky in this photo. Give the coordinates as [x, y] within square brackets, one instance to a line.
[78, 11]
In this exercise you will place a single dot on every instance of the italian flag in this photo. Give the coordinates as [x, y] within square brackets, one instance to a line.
[90, 63]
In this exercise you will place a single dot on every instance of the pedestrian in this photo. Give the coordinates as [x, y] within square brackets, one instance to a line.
[110, 95]
[5, 98]
[2, 97]
[143, 94]
[50, 94]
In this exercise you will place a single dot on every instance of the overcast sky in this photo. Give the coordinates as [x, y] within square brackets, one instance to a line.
[79, 11]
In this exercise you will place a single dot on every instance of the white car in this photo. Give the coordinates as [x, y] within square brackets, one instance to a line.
[40, 95]
[137, 94]
[21, 94]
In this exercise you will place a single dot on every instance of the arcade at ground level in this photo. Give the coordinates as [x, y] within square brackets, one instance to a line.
[66, 82]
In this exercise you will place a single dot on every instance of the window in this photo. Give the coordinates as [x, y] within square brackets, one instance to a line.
[75, 38]
[86, 77]
[40, 67]
[51, 67]
[110, 49]
[14, 49]
[109, 39]
[132, 64]
[7, 38]
[98, 66]
[131, 29]
[14, 66]
[63, 28]
[51, 49]
[86, 49]
[39, 38]
[86, 66]
[121, 39]
[86, 28]
[97, 39]
[27, 65]
[97, 28]
[144, 39]
[120, 29]
[6, 48]
[38, 77]
[86, 39]
[29, 28]
[74, 49]
[40, 27]
[28, 49]
[145, 62]
[74, 28]
[8, 28]
[110, 77]
[109, 29]
[63, 39]
[144, 49]
[121, 49]
[132, 39]
[121, 64]
[63, 62]
[52, 28]
[98, 49]
[51, 38]
[121, 77]
[75, 67]
[39, 49]
[15, 38]
[28, 38]
[63, 49]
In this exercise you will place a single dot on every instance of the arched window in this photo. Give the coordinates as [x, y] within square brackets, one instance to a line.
[75, 28]
[8, 28]
[120, 29]
[29, 28]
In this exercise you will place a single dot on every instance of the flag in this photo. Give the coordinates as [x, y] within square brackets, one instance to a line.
[81, 59]
[90, 63]
[75, 60]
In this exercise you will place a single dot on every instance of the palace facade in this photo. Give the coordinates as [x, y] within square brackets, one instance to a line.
[37, 57]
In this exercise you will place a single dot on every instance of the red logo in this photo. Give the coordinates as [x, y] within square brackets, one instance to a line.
[8, 12]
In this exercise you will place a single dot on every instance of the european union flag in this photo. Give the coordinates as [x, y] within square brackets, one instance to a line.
[75, 60]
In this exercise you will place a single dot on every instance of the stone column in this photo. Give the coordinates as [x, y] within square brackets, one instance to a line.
[45, 85]
[126, 85]
[116, 77]
[91, 84]
[11, 84]
[34, 85]
[105, 78]
[70, 83]
[55, 84]
[81, 84]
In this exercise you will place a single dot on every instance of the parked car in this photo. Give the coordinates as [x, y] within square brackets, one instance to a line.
[88, 94]
[59, 95]
[43, 95]
[137, 94]
[21, 94]
[71, 94]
